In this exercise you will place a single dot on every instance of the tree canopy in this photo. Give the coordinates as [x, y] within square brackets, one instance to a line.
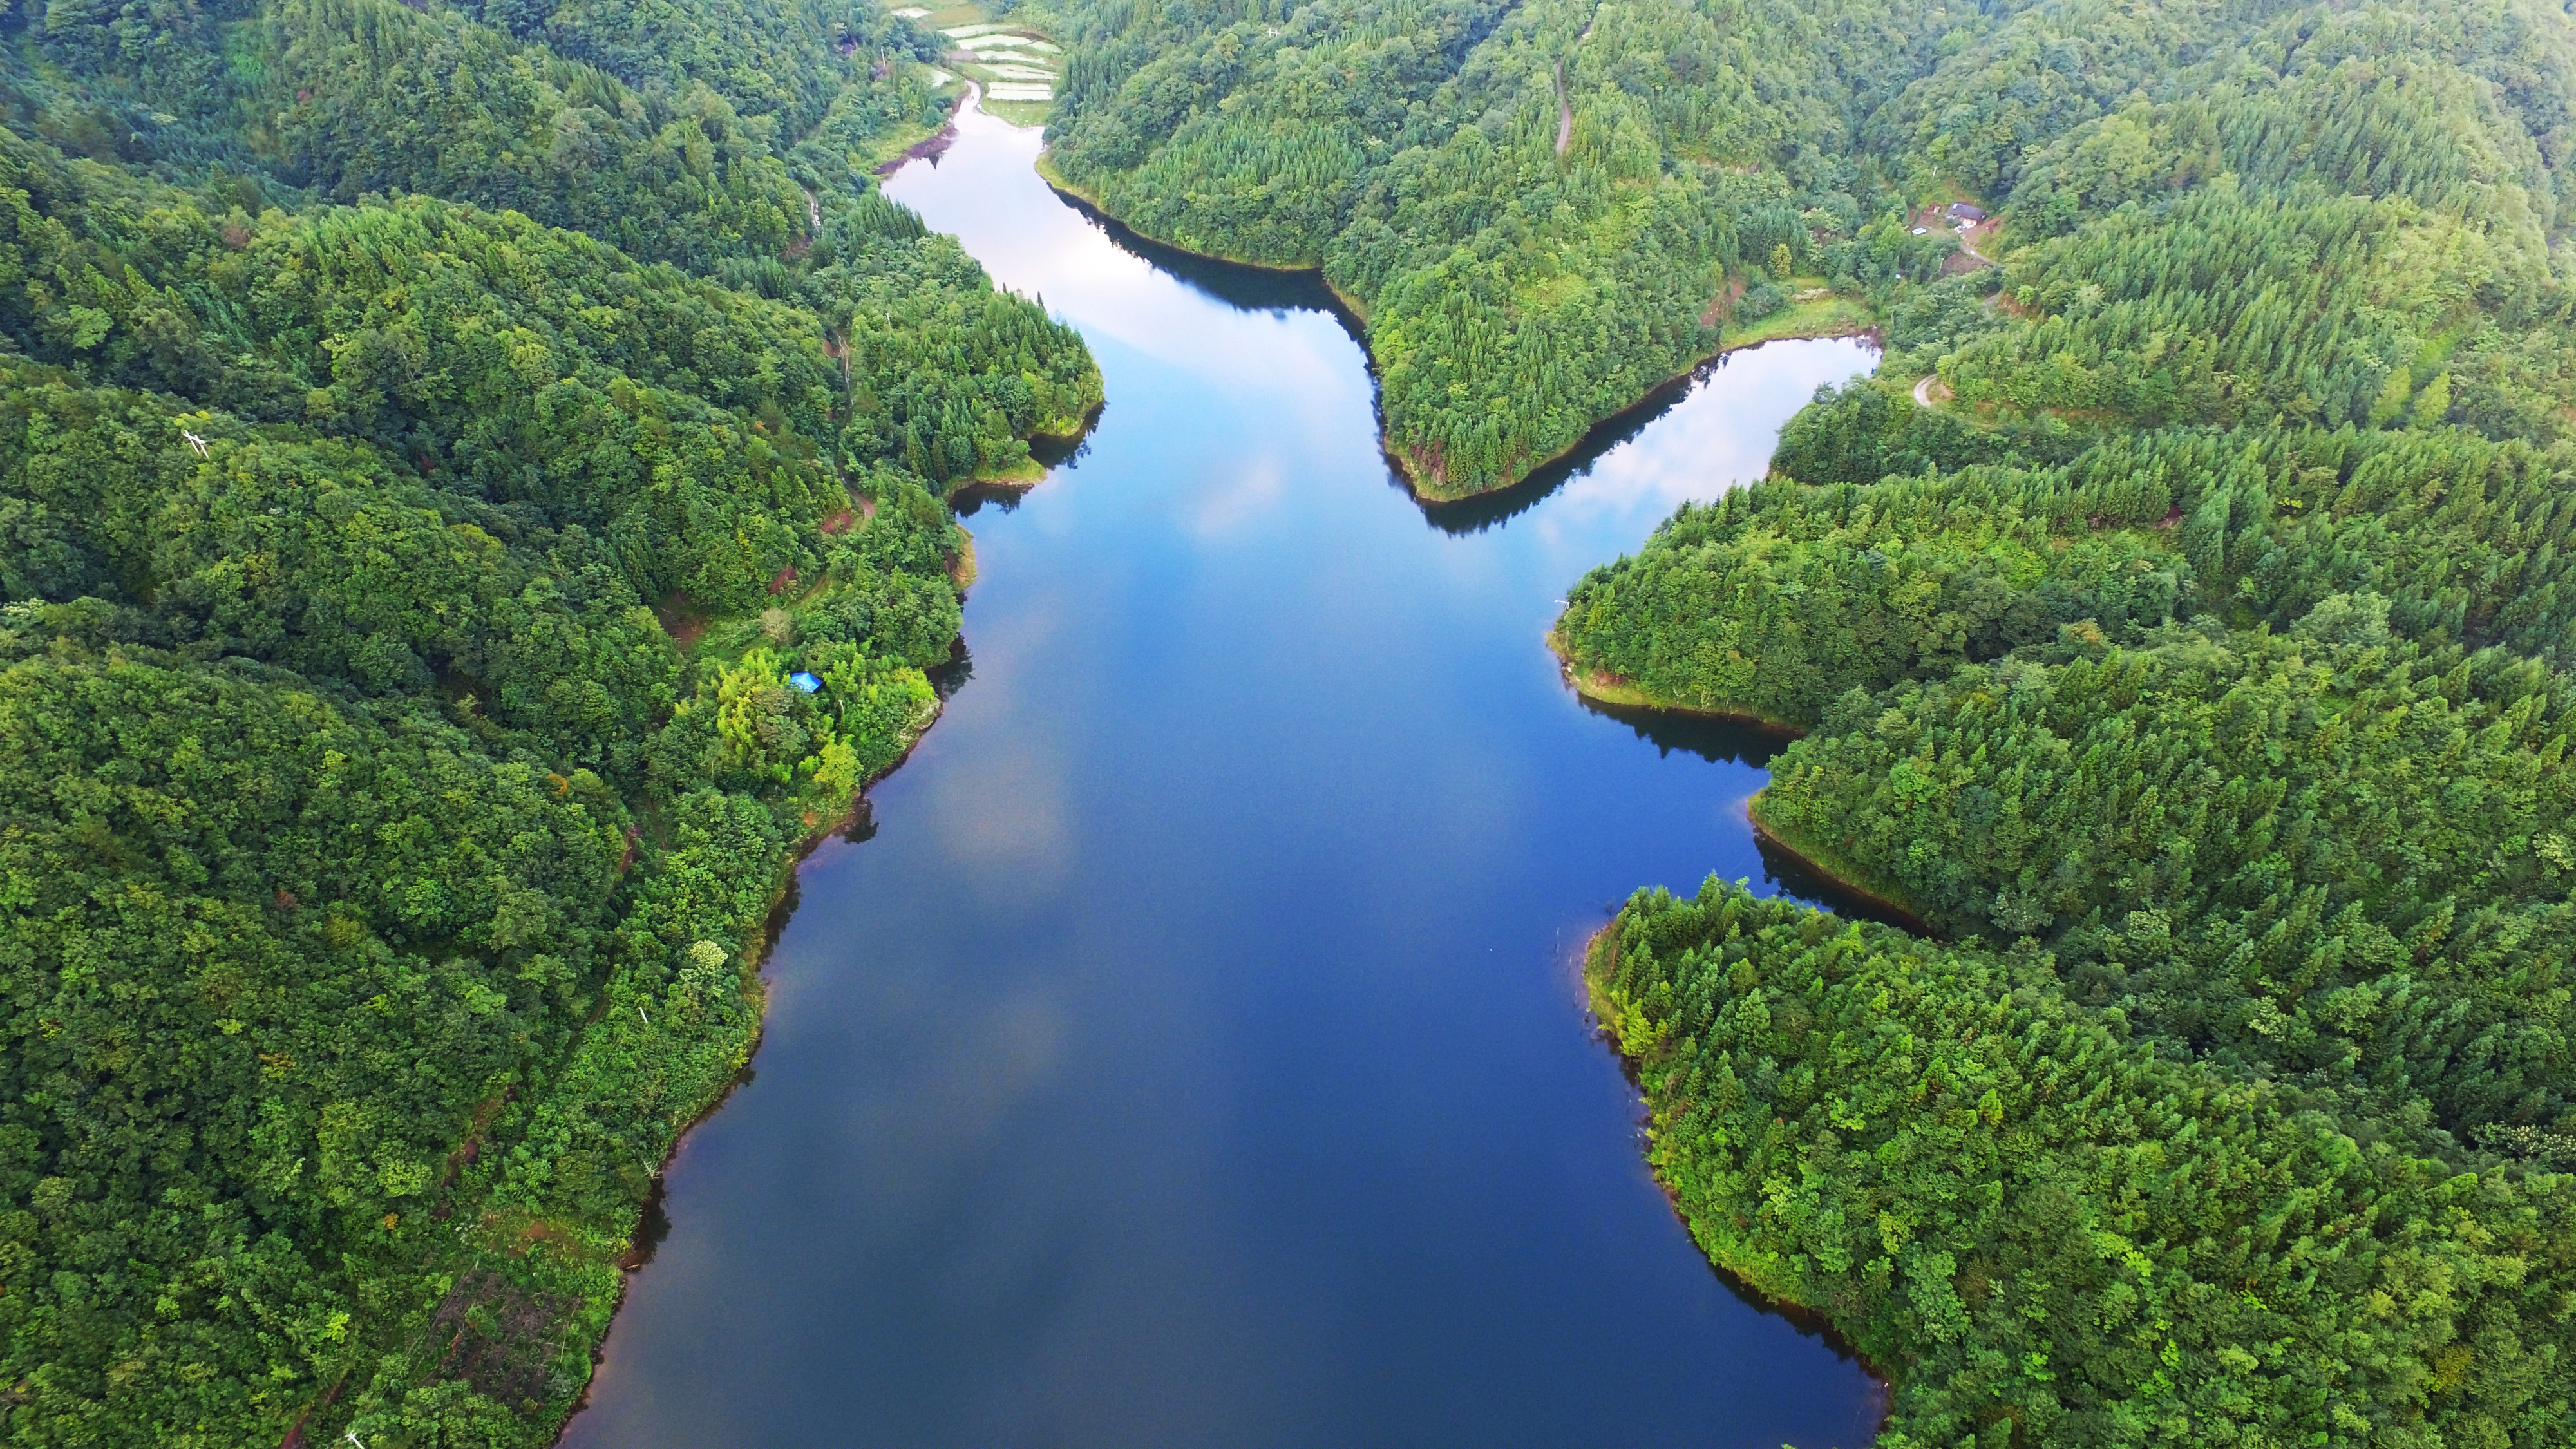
[2193, 666]
[1545, 208]
[429, 443]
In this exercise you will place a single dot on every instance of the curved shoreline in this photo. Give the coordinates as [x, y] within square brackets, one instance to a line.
[1805, 1318]
[1592, 686]
[1609, 421]
[774, 919]
[1893, 912]
[1875, 901]
[1090, 202]
[1355, 317]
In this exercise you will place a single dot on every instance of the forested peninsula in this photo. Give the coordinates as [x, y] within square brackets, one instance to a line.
[471, 510]
[1543, 209]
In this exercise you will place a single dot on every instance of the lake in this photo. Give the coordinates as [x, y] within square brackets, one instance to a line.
[1193, 1052]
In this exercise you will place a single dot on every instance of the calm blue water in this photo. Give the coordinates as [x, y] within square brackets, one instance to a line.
[1194, 1056]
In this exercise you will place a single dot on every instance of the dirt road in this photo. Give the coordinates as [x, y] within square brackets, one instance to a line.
[1564, 112]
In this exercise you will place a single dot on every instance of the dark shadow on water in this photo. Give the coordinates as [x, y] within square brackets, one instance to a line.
[968, 501]
[1719, 741]
[1807, 1322]
[1811, 1324]
[1237, 284]
[1057, 452]
[861, 827]
[649, 1232]
[1794, 877]
[946, 679]
[1491, 510]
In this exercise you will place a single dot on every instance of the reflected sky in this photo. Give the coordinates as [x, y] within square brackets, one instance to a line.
[1194, 1054]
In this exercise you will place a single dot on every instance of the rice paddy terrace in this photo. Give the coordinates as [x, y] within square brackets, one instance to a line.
[1018, 67]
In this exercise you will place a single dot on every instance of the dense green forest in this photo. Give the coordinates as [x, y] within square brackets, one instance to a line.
[2195, 666]
[430, 441]
[1543, 208]
[2054, 1229]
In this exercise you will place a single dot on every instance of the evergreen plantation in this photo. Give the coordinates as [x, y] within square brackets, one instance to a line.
[2195, 667]
[429, 442]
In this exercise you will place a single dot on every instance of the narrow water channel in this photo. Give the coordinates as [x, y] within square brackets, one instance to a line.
[1193, 1055]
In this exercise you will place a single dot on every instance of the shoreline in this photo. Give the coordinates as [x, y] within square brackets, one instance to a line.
[1405, 467]
[774, 920]
[1806, 1318]
[1891, 911]
[963, 572]
[1627, 696]
[929, 147]
[781, 909]
[1356, 315]
[1876, 901]
[1047, 449]
[1056, 181]
[1688, 375]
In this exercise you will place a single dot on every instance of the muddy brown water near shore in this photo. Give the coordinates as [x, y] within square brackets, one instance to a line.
[1192, 1055]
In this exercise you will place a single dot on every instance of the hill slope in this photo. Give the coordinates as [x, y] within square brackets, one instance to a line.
[2196, 668]
[470, 510]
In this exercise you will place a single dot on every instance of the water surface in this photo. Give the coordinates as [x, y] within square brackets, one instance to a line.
[1194, 1054]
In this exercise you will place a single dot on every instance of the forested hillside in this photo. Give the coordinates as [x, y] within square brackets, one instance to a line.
[2195, 665]
[1544, 208]
[470, 510]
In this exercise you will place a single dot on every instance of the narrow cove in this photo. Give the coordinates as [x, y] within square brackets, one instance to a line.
[1194, 1054]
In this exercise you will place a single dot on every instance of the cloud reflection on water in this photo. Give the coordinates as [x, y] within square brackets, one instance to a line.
[1188, 1059]
[1697, 451]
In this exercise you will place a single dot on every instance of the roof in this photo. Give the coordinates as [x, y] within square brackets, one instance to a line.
[1965, 212]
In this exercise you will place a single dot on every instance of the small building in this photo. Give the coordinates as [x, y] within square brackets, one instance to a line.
[1962, 211]
[804, 681]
